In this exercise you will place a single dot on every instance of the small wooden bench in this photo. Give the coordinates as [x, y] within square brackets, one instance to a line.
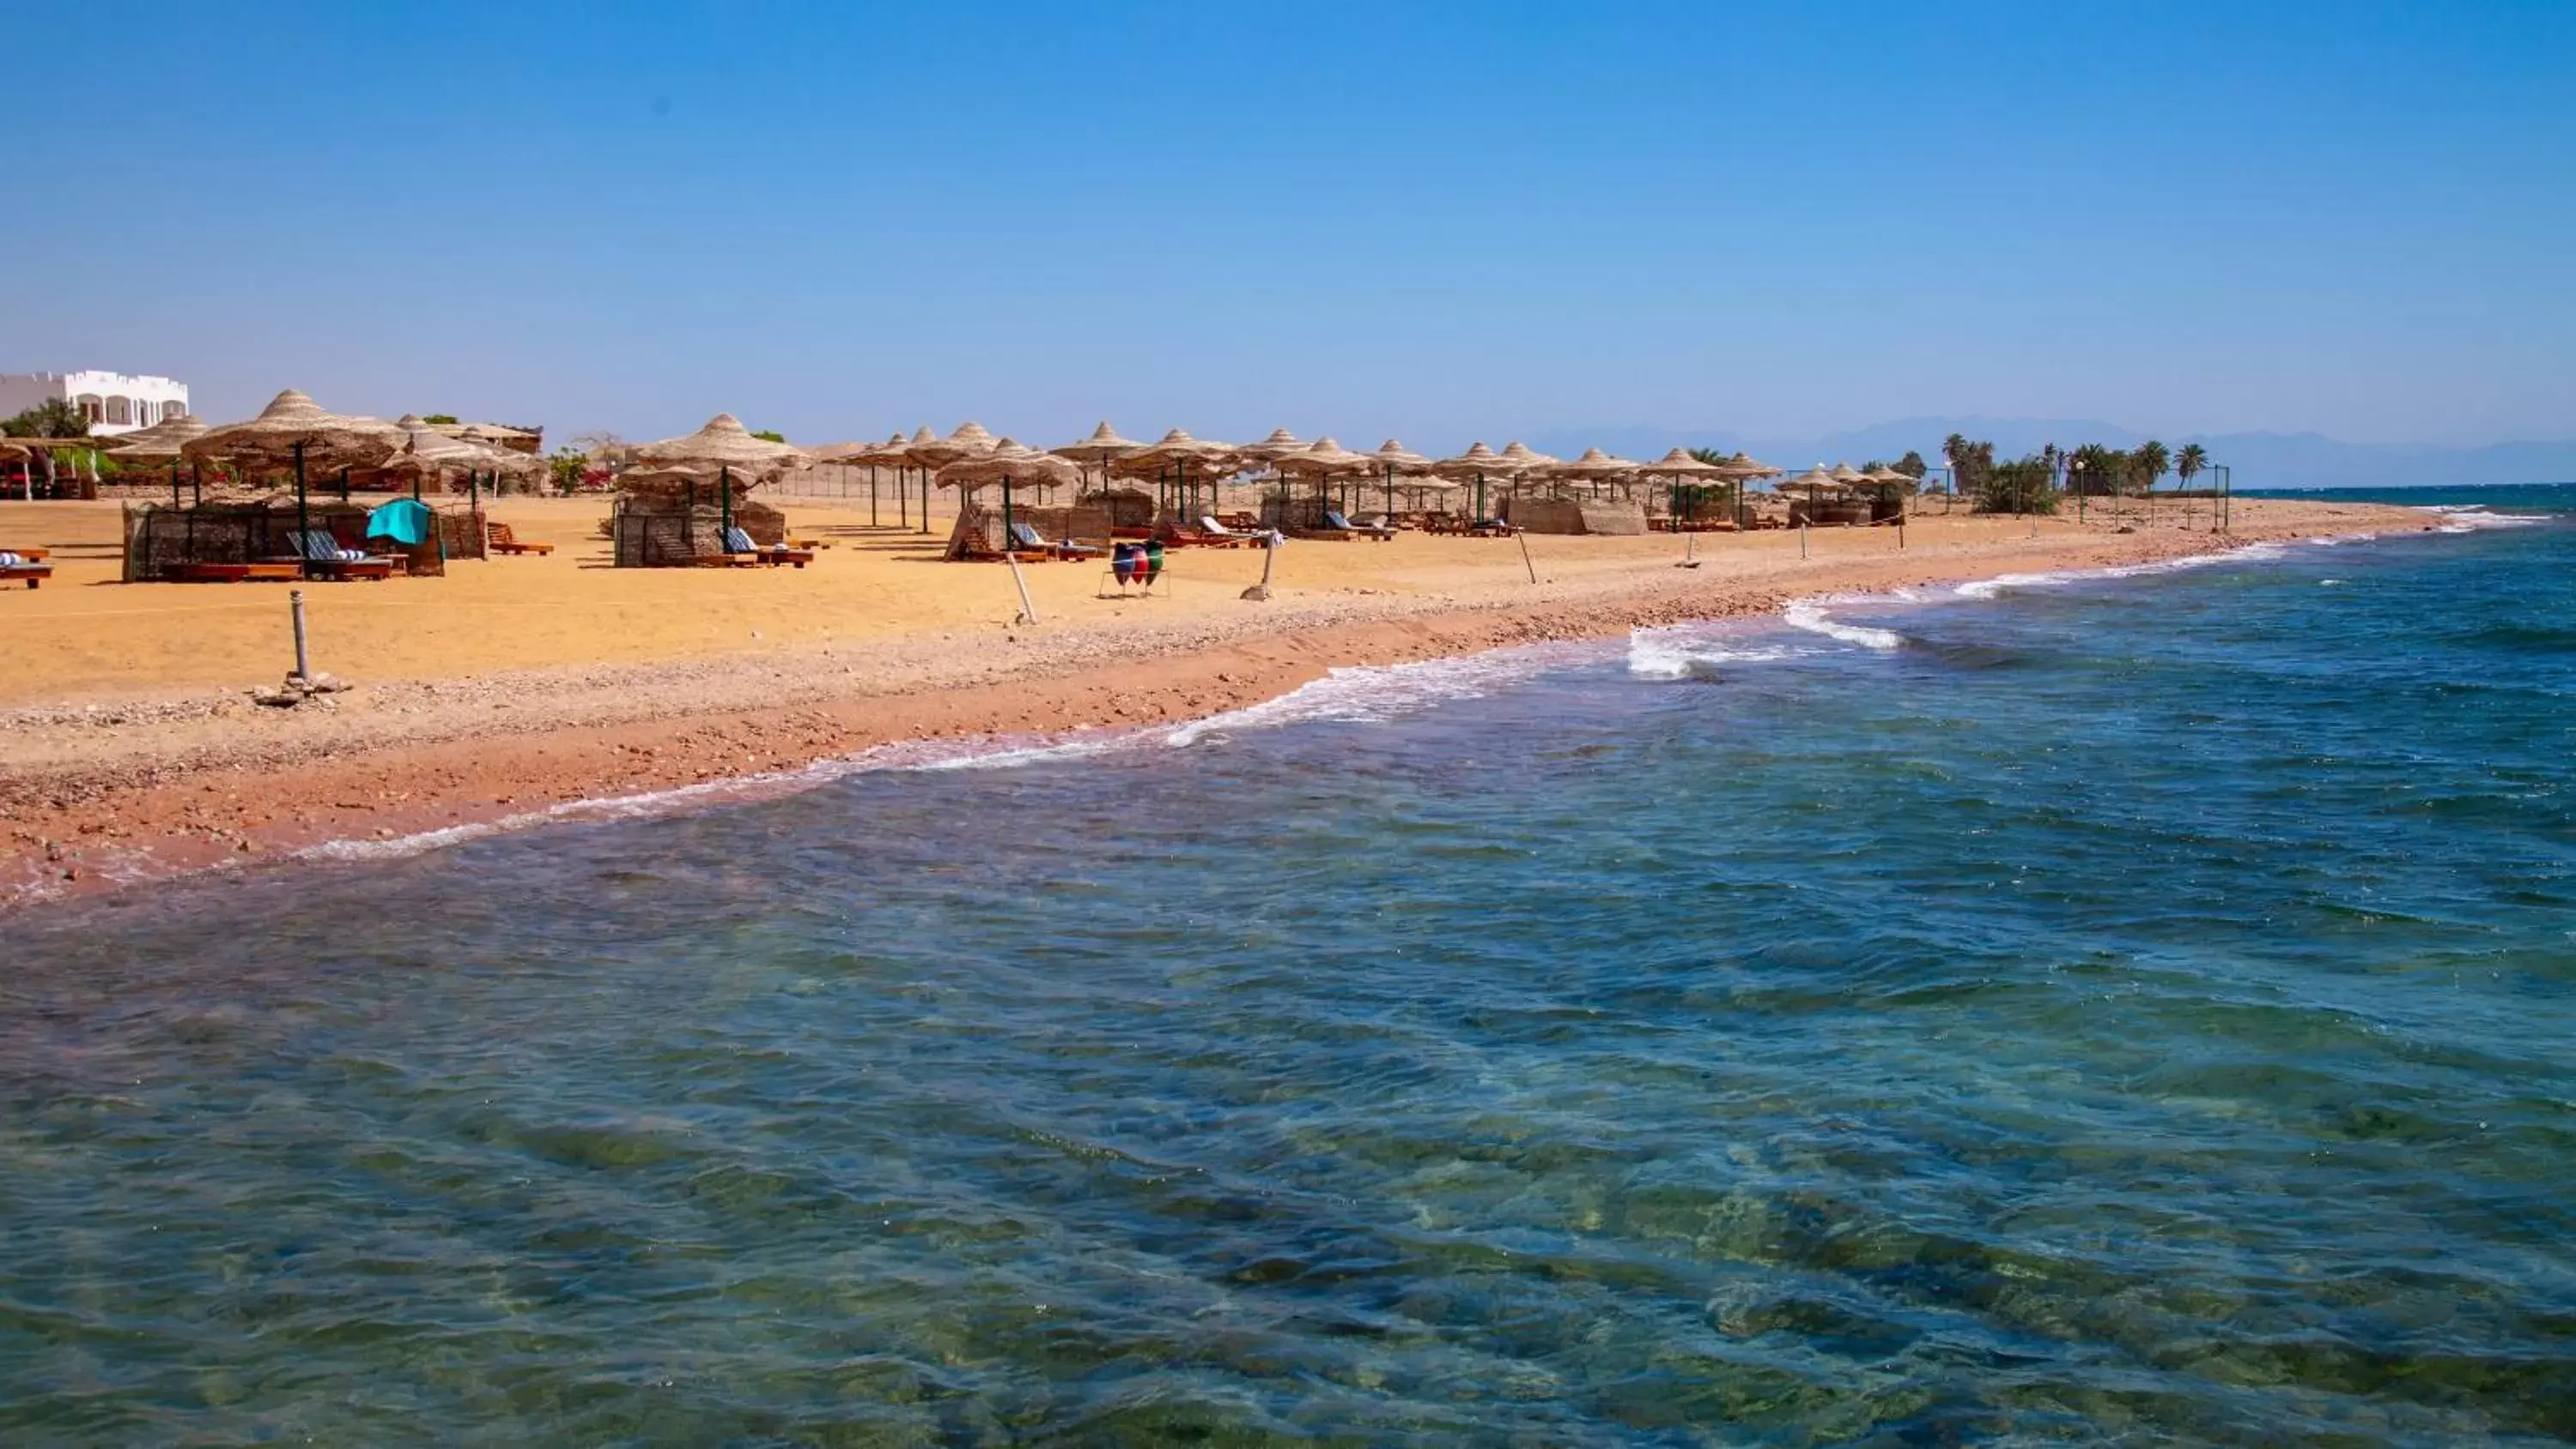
[33, 573]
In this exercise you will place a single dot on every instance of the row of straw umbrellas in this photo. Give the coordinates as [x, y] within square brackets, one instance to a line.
[973, 457]
[295, 432]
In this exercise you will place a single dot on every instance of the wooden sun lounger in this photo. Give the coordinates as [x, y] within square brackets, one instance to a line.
[498, 538]
[353, 568]
[740, 550]
[232, 573]
[33, 573]
[311, 548]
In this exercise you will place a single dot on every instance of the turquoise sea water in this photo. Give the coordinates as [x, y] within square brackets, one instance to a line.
[2130, 1008]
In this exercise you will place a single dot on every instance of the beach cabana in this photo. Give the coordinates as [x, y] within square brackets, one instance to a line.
[295, 433]
[678, 515]
[1741, 470]
[1526, 462]
[1170, 462]
[1393, 461]
[1594, 467]
[928, 452]
[1558, 513]
[727, 447]
[1683, 472]
[1010, 465]
[1323, 462]
[1476, 465]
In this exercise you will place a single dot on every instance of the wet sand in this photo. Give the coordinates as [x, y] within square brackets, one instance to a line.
[130, 747]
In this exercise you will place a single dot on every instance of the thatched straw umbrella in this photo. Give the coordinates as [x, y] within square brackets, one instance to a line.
[927, 452]
[1323, 461]
[1393, 458]
[1815, 480]
[427, 449]
[1279, 444]
[1100, 449]
[293, 430]
[1678, 466]
[1477, 463]
[1741, 470]
[727, 446]
[1594, 467]
[1170, 459]
[1526, 461]
[1006, 463]
[160, 443]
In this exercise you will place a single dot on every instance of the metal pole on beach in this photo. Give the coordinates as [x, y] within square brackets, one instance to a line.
[295, 602]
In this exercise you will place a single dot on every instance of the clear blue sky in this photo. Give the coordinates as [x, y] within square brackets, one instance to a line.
[1431, 220]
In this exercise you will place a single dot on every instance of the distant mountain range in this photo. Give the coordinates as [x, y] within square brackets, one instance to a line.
[2256, 460]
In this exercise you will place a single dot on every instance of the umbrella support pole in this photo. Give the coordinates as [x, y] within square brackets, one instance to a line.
[1028, 610]
[1532, 568]
[303, 517]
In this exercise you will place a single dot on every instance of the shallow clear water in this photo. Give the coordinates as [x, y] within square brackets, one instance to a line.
[2132, 1008]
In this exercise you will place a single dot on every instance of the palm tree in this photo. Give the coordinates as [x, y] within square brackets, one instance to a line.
[2189, 463]
[53, 418]
[2151, 459]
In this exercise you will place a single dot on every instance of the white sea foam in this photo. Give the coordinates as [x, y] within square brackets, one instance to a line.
[1370, 693]
[1695, 651]
[2471, 517]
[1810, 615]
[1996, 586]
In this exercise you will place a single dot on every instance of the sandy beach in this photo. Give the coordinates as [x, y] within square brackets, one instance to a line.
[135, 748]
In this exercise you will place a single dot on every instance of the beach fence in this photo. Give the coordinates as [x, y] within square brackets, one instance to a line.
[158, 538]
[893, 501]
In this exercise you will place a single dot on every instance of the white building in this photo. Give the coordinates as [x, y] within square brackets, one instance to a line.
[114, 402]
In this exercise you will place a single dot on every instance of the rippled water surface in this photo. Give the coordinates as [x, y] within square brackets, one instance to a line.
[2131, 1009]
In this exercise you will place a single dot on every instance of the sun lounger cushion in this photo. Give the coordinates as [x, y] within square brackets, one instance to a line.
[318, 546]
[1026, 536]
[9, 560]
[737, 541]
